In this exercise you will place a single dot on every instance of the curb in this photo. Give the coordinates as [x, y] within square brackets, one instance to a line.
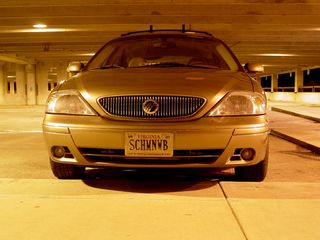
[295, 114]
[306, 145]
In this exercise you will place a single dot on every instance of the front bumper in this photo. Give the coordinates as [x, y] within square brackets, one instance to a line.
[225, 136]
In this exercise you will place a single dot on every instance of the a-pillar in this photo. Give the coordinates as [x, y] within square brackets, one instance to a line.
[299, 80]
[2, 83]
[31, 84]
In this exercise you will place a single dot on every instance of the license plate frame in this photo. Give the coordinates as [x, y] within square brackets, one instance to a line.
[149, 144]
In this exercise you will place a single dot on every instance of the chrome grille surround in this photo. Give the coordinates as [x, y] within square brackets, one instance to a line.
[169, 106]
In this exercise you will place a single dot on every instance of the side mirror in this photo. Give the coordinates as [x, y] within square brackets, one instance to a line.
[254, 68]
[75, 67]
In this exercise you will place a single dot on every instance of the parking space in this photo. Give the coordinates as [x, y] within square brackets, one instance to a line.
[158, 204]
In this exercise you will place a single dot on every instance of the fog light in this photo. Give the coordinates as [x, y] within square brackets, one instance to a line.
[58, 151]
[247, 154]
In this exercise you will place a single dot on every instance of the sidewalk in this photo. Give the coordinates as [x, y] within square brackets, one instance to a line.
[121, 210]
[152, 208]
[296, 123]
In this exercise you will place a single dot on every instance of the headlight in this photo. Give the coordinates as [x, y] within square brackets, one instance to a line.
[68, 102]
[240, 104]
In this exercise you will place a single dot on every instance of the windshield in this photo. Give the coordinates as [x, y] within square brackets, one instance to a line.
[164, 51]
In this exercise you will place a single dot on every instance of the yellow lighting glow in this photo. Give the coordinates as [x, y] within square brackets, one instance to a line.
[86, 54]
[35, 30]
[276, 55]
[40, 26]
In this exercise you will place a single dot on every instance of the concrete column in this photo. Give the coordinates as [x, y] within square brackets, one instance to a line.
[19, 97]
[299, 80]
[31, 84]
[2, 83]
[274, 82]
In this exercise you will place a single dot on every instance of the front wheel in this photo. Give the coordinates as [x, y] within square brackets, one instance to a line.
[66, 171]
[254, 173]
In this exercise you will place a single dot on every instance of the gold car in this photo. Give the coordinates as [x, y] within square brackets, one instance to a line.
[159, 99]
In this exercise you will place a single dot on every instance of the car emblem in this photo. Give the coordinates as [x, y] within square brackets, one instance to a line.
[150, 106]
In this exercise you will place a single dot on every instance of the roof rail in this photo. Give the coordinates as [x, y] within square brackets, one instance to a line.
[183, 30]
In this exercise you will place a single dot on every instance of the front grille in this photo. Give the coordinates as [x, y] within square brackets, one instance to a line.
[179, 156]
[168, 106]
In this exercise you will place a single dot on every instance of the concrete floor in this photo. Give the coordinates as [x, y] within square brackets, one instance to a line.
[150, 205]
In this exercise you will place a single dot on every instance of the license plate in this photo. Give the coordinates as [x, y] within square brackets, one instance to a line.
[148, 144]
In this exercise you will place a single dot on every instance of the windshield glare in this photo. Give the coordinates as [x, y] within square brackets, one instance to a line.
[164, 51]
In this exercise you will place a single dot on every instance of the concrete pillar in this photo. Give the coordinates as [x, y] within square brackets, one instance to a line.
[19, 96]
[2, 83]
[31, 84]
[298, 80]
[42, 81]
[274, 82]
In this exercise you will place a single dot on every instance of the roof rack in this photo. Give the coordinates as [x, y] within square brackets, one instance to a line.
[183, 30]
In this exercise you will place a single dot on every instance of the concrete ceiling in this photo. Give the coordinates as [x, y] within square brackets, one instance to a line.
[254, 29]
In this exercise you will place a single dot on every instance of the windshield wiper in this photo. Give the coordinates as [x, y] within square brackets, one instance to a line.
[202, 66]
[110, 66]
[167, 64]
[175, 64]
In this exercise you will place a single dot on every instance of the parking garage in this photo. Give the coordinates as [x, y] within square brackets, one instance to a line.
[37, 42]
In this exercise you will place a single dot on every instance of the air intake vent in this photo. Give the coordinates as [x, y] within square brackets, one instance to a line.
[179, 156]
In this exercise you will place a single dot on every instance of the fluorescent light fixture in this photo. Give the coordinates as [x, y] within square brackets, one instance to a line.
[36, 30]
[40, 26]
[88, 54]
[85, 54]
[275, 55]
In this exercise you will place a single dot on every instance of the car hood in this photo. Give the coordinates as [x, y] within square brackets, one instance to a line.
[206, 83]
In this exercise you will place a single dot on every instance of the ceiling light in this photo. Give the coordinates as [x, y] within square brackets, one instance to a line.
[85, 54]
[276, 55]
[11, 76]
[44, 30]
[40, 25]
[88, 54]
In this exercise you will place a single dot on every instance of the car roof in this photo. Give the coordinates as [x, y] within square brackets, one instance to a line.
[176, 32]
[168, 31]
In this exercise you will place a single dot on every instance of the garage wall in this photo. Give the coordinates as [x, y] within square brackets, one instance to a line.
[43, 79]
[22, 84]
[31, 84]
[300, 97]
[12, 81]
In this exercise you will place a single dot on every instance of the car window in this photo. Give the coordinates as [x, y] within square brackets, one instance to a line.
[101, 56]
[164, 51]
[223, 51]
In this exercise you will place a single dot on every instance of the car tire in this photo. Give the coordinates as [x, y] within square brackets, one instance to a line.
[66, 171]
[254, 173]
